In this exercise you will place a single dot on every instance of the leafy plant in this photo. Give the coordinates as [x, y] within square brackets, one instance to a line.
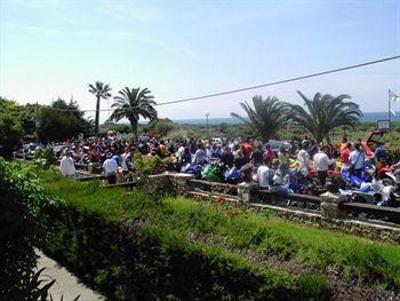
[45, 157]
[22, 221]
[148, 165]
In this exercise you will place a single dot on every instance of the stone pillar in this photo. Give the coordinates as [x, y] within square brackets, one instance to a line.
[90, 168]
[245, 191]
[246, 188]
[180, 182]
[330, 202]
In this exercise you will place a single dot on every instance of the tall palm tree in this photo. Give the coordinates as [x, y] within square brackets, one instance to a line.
[324, 113]
[133, 103]
[102, 91]
[268, 116]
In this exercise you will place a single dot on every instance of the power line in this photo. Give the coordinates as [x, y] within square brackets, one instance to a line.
[261, 85]
[280, 82]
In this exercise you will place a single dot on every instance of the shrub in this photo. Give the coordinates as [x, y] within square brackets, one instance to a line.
[125, 244]
[45, 157]
[131, 261]
[21, 217]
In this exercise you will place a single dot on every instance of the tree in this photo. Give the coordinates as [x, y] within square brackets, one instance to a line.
[11, 131]
[324, 113]
[27, 118]
[160, 127]
[267, 117]
[62, 120]
[133, 103]
[101, 91]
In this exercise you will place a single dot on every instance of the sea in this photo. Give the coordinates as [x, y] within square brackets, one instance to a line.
[367, 117]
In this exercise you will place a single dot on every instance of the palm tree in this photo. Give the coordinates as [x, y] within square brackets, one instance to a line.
[133, 103]
[324, 113]
[101, 91]
[268, 116]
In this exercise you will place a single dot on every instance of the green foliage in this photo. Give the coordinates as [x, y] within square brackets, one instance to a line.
[160, 127]
[146, 165]
[60, 125]
[314, 287]
[27, 119]
[324, 113]
[392, 140]
[112, 126]
[45, 157]
[267, 117]
[22, 218]
[11, 131]
[119, 242]
[224, 228]
[133, 103]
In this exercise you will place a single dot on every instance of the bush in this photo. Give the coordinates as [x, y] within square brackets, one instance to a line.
[120, 243]
[45, 157]
[21, 217]
[131, 261]
[180, 222]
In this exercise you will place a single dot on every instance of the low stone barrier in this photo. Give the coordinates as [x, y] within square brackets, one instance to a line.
[330, 216]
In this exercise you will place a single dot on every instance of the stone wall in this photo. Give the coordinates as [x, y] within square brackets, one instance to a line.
[329, 217]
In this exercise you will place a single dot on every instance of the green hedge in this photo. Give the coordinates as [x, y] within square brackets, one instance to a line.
[129, 261]
[365, 262]
[22, 204]
[108, 239]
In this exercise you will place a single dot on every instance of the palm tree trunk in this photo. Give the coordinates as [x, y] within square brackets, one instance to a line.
[134, 125]
[328, 139]
[96, 125]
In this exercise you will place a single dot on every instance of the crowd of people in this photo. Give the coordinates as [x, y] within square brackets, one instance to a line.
[280, 169]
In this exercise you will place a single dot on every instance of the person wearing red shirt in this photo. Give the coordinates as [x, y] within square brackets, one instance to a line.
[344, 155]
[247, 148]
[269, 154]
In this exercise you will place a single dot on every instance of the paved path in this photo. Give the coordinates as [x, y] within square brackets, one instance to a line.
[66, 284]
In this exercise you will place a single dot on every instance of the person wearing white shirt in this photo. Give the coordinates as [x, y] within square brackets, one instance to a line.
[322, 163]
[124, 160]
[264, 175]
[304, 160]
[67, 166]
[110, 169]
[181, 151]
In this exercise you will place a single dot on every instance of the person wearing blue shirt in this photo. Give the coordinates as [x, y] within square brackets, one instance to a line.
[357, 160]
[381, 154]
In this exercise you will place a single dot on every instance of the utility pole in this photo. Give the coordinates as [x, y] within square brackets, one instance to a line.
[390, 110]
[208, 133]
[37, 122]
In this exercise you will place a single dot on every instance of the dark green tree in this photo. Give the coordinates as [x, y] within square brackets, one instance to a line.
[267, 116]
[101, 91]
[62, 120]
[160, 127]
[133, 103]
[324, 113]
[11, 131]
[27, 118]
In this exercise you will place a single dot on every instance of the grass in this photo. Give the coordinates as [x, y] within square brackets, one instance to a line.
[372, 263]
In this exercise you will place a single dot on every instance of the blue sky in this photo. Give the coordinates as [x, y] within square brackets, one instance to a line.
[51, 49]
